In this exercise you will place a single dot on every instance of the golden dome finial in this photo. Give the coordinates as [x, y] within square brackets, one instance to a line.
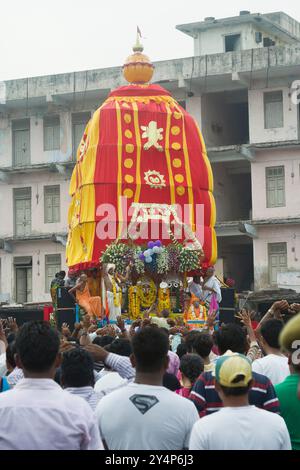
[138, 68]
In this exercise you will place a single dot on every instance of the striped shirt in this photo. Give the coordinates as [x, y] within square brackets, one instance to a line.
[15, 376]
[87, 393]
[121, 364]
[207, 401]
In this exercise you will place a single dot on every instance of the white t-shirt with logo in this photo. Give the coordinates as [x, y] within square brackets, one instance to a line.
[145, 417]
[240, 428]
[274, 367]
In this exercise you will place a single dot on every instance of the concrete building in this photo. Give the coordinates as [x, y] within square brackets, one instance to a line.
[239, 87]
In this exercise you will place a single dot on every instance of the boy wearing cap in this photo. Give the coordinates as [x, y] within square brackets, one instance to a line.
[247, 427]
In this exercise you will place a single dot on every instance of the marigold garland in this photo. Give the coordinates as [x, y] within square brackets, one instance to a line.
[117, 294]
[134, 302]
[148, 299]
[164, 301]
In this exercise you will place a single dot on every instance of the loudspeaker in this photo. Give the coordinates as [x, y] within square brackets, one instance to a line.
[22, 315]
[228, 298]
[227, 315]
[64, 299]
[66, 315]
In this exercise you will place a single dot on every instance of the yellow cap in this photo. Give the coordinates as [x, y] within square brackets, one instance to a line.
[233, 370]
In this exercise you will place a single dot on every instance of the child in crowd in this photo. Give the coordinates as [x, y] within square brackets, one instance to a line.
[191, 366]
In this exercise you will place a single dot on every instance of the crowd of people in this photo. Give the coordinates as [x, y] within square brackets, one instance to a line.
[152, 385]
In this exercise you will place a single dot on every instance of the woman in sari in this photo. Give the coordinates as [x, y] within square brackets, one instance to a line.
[91, 305]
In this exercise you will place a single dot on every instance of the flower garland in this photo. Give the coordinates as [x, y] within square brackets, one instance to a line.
[116, 253]
[138, 264]
[163, 266]
[164, 301]
[155, 259]
[147, 299]
[134, 302]
[117, 294]
[188, 260]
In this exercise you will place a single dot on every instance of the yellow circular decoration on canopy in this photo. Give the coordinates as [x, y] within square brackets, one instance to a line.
[175, 130]
[128, 134]
[128, 163]
[180, 190]
[177, 115]
[127, 118]
[179, 178]
[176, 146]
[176, 163]
[129, 148]
[129, 179]
[128, 193]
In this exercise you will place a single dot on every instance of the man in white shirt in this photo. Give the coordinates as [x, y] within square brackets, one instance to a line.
[238, 425]
[37, 414]
[274, 364]
[211, 286]
[149, 417]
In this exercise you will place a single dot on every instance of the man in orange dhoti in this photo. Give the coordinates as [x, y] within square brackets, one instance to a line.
[91, 305]
[94, 283]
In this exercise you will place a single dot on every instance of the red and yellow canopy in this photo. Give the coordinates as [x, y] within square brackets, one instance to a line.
[140, 145]
[141, 153]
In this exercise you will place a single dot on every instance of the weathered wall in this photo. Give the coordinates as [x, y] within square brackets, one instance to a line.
[37, 250]
[258, 133]
[231, 194]
[222, 122]
[275, 234]
[291, 161]
[36, 181]
[212, 40]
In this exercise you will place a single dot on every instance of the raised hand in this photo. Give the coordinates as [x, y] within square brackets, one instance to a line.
[245, 317]
[280, 306]
[211, 319]
[86, 321]
[66, 346]
[65, 330]
[12, 324]
[294, 308]
[121, 323]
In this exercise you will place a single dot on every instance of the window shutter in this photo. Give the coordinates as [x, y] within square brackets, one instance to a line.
[51, 204]
[275, 186]
[51, 133]
[21, 142]
[273, 108]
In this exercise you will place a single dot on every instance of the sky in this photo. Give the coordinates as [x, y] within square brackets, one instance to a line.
[39, 37]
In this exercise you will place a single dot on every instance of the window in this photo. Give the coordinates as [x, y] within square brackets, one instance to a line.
[277, 260]
[79, 122]
[22, 212]
[275, 184]
[23, 279]
[52, 204]
[233, 43]
[21, 142]
[51, 133]
[52, 266]
[273, 105]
